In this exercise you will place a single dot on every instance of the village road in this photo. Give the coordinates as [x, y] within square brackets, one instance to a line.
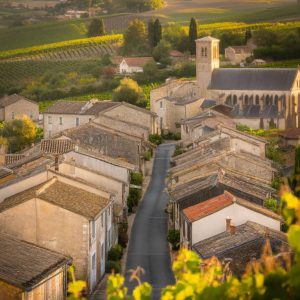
[148, 246]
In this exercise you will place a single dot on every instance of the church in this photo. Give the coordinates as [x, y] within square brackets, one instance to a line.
[257, 97]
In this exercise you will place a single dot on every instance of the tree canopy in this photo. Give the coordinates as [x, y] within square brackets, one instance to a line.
[161, 52]
[135, 38]
[193, 35]
[96, 28]
[129, 91]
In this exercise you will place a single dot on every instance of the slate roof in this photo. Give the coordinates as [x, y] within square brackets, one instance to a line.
[255, 111]
[56, 146]
[69, 197]
[11, 99]
[243, 246]
[253, 79]
[79, 107]
[207, 103]
[25, 265]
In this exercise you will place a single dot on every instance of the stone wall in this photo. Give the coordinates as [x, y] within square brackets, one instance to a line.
[10, 292]
[21, 108]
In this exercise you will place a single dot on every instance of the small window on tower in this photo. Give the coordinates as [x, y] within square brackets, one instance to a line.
[205, 51]
[202, 51]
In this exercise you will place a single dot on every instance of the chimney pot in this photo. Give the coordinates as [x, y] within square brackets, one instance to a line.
[228, 222]
[232, 228]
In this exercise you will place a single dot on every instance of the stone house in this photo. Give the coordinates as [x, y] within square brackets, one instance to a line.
[119, 145]
[201, 162]
[130, 65]
[290, 137]
[209, 218]
[67, 216]
[64, 115]
[29, 271]
[175, 101]
[248, 239]
[206, 186]
[237, 54]
[14, 106]
[133, 115]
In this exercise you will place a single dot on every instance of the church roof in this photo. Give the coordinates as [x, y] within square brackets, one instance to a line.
[253, 79]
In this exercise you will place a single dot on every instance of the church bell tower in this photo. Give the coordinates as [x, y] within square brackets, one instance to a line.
[207, 59]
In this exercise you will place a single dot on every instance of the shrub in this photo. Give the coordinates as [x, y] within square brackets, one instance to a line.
[276, 183]
[136, 178]
[155, 139]
[115, 253]
[178, 151]
[271, 204]
[242, 127]
[174, 238]
[147, 155]
[112, 266]
[133, 198]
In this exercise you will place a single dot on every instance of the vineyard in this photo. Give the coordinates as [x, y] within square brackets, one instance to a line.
[68, 49]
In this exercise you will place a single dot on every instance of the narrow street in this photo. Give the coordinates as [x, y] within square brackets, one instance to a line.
[148, 246]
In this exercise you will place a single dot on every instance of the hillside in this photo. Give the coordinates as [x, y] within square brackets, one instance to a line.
[206, 11]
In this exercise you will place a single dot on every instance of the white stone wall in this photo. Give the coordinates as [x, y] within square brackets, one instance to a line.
[216, 222]
[54, 125]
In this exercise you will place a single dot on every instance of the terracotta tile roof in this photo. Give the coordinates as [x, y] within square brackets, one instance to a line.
[243, 246]
[208, 207]
[8, 100]
[56, 146]
[176, 53]
[11, 159]
[58, 193]
[24, 264]
[291, 134]
[134, 61]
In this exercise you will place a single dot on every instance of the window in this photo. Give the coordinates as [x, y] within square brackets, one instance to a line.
[205, 52]
[90, 119]
[94, 261]
[31, 115]
[102, 220]
[93, 229]
[234, 99]
[77, 121]
[202, 51]
[60, 120]
[246, 100]
[102, 251]
[49, 120]
[13, 115]
[161, 104]
[108, 211]
[109, 237]
[257, 100]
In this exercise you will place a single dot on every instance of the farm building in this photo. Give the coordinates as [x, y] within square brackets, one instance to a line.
[130, 65]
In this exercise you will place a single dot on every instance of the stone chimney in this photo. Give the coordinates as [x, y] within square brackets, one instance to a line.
[232, 228]
[228, 222]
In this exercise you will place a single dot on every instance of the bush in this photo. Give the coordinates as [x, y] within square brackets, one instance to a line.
[133, 198]
[174, 238]
[271, 204]
[147, 155]
[136, 178]
[178, 151]
[155, 139]
[112, 266]
[115, 253]
[276, 183]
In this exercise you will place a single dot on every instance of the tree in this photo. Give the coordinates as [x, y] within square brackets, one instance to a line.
[297, 161]
[193, 35]
[96, 28]
[19, 133]
[248, 35]
[135, 38]
[156, 4]
[157, 36]
[129, 91]
[151, 33]
[161, 52]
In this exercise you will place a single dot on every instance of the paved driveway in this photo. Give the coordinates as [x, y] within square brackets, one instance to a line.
[148, 247]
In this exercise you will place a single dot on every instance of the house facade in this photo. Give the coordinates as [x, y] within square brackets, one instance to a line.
[130, 65]
[64, 115]
[214, 216]
[66, 216]
[14, 106]
[237, 54]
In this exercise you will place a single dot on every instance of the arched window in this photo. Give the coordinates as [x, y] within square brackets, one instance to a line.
[246, 100]
[205, 51]
[202, 51]
[234, 99]
[228, 100]
[276, 100]
[271, 100]
[267, 100]
[257, 100]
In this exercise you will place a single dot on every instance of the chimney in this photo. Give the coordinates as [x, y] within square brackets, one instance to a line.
[232, 228]
[228, 222]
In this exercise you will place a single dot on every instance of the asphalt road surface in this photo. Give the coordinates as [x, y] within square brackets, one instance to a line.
[148, 246]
